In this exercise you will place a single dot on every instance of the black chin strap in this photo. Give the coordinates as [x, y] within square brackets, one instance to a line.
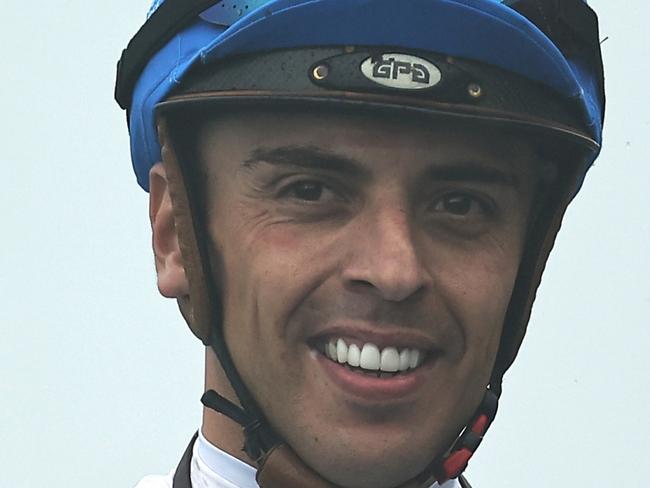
[259, 437]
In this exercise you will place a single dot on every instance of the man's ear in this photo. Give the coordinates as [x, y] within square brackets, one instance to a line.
[172, 282]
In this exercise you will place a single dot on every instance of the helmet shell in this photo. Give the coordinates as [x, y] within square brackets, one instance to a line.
[486, 31]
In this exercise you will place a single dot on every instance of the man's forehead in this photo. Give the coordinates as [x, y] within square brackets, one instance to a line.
[258, 132]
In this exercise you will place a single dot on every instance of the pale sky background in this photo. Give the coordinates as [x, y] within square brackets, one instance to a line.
[99, 377]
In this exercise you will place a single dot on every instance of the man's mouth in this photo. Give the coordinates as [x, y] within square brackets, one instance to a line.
[369, 359]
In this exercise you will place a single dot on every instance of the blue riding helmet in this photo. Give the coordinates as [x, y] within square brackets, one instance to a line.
[487, 31]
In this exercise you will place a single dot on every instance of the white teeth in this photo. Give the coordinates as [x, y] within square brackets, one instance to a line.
[341, 351]
[389, 360]
[354, 355]
[331, 351]
[404, 359]
[370, 358]
[415, 358]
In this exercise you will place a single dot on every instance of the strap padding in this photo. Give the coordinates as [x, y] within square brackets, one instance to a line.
[197, 310]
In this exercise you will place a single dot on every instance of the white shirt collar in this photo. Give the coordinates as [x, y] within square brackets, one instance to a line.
[213, 468]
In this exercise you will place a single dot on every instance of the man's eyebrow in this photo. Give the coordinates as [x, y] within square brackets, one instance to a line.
[314, 157]
[471, 172]
[307, 157]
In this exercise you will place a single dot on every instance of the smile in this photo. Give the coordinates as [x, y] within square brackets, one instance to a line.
[375, 366]
[368, 358]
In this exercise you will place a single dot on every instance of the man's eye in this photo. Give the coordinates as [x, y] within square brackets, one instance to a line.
[458, 204]
[311, 191]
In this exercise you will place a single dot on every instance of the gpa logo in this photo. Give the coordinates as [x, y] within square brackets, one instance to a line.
[401, 71]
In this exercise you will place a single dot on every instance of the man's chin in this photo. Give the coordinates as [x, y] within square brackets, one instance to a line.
[372, 462]
[355, 471]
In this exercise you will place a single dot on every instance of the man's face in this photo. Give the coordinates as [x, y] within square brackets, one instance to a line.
[352, 243]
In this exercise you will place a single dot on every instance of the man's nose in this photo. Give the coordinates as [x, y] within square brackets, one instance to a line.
[384, 257]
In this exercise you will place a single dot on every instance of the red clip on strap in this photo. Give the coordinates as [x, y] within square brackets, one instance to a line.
[456, 463]
[479, 427]
[452, 465]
